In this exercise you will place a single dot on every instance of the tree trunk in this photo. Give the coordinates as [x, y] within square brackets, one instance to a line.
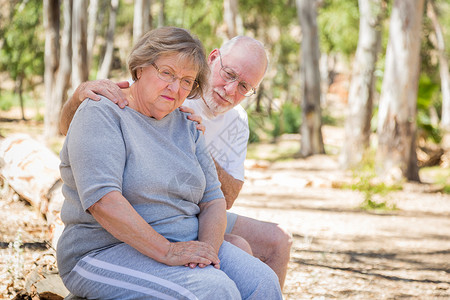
[32, 170]
[324, 77]
[80, 71]
[51, 25]
[443, 66]
[141, 18]
[360, 98]
[161, 15]
[146, 17]
[91, 29]
[232, 18]
[109, 53]
[311, 128]
[63, 79]
[396, 155]
[19, 90]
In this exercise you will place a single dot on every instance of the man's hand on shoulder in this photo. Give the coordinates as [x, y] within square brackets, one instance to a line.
[194, 117]
[92, 90]
[104, 87]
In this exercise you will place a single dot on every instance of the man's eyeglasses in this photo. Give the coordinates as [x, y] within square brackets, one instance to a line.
[186, 83]
[230, 75]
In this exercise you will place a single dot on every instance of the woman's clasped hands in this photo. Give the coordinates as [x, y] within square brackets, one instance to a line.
[191, 254]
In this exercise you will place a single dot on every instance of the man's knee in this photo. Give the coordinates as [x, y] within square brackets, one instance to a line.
[281, 239]
[239, 242]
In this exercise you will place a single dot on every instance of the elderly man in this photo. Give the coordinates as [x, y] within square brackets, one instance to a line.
[237, 69]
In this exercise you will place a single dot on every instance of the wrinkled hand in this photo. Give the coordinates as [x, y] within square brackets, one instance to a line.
[191, 254]
[105, 87]
[194, 117]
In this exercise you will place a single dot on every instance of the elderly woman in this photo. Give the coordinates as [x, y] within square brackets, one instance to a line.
[144, 214]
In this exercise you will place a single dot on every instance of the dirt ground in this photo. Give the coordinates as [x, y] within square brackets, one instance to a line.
[342, 252]
[339, 251]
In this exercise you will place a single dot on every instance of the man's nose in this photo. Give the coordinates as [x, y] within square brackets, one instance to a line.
[231, 87]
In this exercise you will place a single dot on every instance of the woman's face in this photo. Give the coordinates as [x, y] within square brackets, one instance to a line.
[156, 97]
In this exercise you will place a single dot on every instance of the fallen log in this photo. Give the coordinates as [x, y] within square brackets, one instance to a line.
[43, 282]
[32, 171]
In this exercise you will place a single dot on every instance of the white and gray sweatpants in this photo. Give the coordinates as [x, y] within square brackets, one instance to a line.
[121, 272]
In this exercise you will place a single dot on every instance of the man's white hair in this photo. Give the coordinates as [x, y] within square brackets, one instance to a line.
[249, 44]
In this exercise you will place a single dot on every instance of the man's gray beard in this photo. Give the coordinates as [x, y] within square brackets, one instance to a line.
[215, 108]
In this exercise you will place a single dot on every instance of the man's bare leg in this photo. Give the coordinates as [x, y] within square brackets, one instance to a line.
[268, 241]
[238, 242]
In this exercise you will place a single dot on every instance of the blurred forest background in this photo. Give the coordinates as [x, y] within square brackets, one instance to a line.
[371, 76]
[386, 62]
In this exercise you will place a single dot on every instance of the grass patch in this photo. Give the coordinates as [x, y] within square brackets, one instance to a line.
[437, 175]
[7, 101]
[283, 150]
[376, 193]
[10, 99]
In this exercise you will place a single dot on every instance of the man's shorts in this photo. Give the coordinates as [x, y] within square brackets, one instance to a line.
[231, 219]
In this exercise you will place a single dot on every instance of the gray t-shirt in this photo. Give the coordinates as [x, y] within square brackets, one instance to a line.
[161, 167]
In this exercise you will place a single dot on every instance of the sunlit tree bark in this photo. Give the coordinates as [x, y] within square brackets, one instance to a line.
[108, 58]
[443, 66]
[141, 22]
[360, 98]
[396, 153]
[232, 18]
[63, 75]
[161, 14]
[311, 128]
[80, 69]
[51, 26]
[91, 28]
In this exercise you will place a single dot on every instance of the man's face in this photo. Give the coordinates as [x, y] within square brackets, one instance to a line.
[224, 95]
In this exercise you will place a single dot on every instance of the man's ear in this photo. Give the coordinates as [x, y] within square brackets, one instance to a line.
[213, 56]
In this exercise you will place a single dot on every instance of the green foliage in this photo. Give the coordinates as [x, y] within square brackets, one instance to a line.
[443, 8]
[9, 99]
[285, 120]
[437, 175]
[22, 54]
[255, 121]
[262, 13]
[6, 101]
[289, 118]
[429, 102]
[427, 99]
[202, 18]
[124, 20]
[375, 192]
[275, 23]
[285, 57]
[338, 22]
[328, 119]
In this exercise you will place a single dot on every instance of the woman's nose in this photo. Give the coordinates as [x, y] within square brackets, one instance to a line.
[174, 86]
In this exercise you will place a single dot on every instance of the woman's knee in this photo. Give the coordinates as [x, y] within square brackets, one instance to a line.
[217, 285]
[239, 242]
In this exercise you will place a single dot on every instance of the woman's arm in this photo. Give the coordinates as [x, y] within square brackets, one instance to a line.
[119, 218]
[212, 221]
